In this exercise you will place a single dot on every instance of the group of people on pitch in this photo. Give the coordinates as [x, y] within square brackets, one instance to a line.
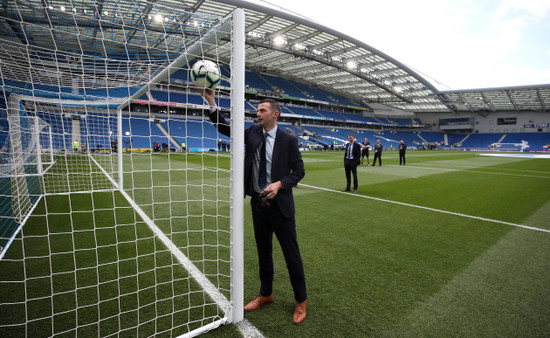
[355, 154]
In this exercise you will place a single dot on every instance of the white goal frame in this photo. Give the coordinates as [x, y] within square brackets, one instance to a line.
[233, 307]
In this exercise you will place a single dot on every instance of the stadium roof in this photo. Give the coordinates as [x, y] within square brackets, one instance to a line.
[291, 46]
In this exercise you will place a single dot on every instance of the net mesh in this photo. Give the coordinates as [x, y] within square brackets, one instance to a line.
[128, 230]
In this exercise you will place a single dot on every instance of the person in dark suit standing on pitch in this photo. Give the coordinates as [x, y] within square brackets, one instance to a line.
[378, 153]
[352, 158]
[365, 150]
[402, 151]
[273, 166]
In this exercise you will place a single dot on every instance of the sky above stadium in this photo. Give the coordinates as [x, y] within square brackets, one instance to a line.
[456, 44]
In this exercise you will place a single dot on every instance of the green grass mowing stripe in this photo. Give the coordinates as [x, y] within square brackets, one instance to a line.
[479, 171]
[373, 266]
[363, 267]
[506, 285]
[431, 209]
[132, 285]
[122, 265]
[369, 264]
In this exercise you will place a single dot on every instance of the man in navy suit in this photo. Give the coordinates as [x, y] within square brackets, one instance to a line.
[269, 183]
[352, 158]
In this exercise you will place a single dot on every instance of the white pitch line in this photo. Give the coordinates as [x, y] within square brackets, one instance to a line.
[473, 171]
[485, 167]
[248, 330]
[430, 209]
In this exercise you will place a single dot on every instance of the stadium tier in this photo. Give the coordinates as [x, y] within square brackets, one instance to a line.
[409, 137]
[141, 131]
[279, 83]
[454, 139]
[432, 137]
[255, 81]
[303, 111]
[481, 140]
[535, 141]
[331, 115]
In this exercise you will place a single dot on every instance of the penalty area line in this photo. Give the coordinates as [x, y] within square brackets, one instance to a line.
[430, 209]
[248, 330]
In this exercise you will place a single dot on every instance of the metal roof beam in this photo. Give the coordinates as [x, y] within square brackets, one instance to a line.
[258, 23]
[511, 100]
[383, 71]
[484, 112]
[541, 101]
[343, 50]
[326, 44]
[465, 103]
[305, 37]
[281, 31]
[272, 56]
[145, 14]
[305, 67]
[19, 33]
[196, 6]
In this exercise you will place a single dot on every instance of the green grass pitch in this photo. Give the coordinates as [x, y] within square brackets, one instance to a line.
[452, 244]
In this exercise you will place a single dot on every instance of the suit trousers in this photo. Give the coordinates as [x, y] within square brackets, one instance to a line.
[351, 167]
[378, 156]
[269, 220]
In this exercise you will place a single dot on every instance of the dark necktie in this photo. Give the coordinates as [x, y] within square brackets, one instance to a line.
[350, 149]
[262, 175]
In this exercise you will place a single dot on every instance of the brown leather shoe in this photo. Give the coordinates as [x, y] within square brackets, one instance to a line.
[258, 302]
[299, 313]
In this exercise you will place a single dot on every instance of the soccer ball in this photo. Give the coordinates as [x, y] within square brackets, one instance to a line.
[205, 74]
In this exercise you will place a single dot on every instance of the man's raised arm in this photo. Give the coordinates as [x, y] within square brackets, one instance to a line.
[214, 113]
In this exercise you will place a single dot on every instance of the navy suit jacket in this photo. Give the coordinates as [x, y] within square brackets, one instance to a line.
[287, 165]
[356, 152]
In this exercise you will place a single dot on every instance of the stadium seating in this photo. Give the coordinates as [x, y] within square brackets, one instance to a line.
[409, 137]
[198, 134]
[331, 115]
[255, 81]
[287, 87]
[432, 137]
[479, 141]
[4, 128]
[453, 139]
[303, 111]
[536, 141]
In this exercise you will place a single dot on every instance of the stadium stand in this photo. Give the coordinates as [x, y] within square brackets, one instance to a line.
[431, 137]
[481, 141]
[409, 137]
[320, 136]
[255, 81]
[283, 84]
[453, 139]
[304, 111]
[536, 141]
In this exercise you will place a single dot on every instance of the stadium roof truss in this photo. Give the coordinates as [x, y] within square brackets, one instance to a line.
[278, 42]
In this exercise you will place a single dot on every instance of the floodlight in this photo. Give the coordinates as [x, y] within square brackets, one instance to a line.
[279, 41]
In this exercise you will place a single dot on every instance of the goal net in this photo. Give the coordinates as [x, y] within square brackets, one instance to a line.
[26, 150]
[119, 214]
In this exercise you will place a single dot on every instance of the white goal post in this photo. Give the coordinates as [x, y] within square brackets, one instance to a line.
[135, 226]
[26, 154]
